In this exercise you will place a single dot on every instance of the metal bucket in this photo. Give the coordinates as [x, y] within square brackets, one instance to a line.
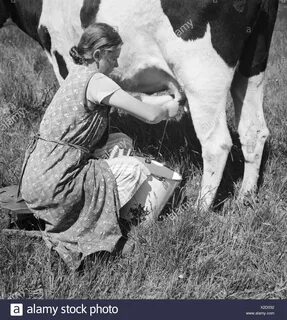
[154, 193]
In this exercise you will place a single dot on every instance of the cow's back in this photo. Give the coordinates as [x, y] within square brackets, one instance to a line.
[144, 26]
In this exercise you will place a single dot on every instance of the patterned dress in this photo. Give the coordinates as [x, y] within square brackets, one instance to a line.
[78, 196]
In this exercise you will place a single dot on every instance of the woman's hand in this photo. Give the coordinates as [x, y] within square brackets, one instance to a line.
[172, 108]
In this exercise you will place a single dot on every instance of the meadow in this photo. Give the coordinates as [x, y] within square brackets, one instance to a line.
[234, 251]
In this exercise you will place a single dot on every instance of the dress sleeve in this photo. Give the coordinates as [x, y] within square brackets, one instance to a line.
[100, 86]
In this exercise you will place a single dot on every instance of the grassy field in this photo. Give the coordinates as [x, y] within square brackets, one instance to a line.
[233, 252]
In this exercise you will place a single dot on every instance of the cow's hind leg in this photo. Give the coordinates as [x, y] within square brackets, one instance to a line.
[247, 92]
[249, 117]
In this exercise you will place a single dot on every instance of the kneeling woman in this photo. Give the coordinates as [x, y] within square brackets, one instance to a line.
[76, 194]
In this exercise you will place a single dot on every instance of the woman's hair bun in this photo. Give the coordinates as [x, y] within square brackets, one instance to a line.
[74, 53]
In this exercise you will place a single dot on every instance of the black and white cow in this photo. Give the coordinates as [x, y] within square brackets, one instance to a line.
[202, 48]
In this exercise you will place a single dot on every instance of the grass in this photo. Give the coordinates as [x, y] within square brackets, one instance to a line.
[235, 252]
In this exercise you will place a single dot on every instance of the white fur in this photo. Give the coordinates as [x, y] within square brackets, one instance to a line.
[63, 23]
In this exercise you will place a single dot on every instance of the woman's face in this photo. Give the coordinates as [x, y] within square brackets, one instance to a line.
[108, 60]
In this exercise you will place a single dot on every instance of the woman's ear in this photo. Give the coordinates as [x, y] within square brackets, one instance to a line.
[97, 55]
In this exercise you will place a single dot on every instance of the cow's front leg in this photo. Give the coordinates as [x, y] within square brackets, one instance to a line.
[209, 119]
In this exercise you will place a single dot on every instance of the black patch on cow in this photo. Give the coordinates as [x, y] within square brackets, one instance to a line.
[61, 64]
[255, 53]
[229, 27]
[26, 14]
[45, 38]
[89, 12]
[180, 12]
[4, 13]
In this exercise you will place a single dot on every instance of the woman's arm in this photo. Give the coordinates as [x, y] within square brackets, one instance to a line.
[102, 89]
[144, 111]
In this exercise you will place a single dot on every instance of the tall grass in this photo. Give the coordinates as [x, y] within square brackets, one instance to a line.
[26, 82]
[236, 252]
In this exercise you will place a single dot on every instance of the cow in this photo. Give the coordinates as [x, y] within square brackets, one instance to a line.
[198, 49]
